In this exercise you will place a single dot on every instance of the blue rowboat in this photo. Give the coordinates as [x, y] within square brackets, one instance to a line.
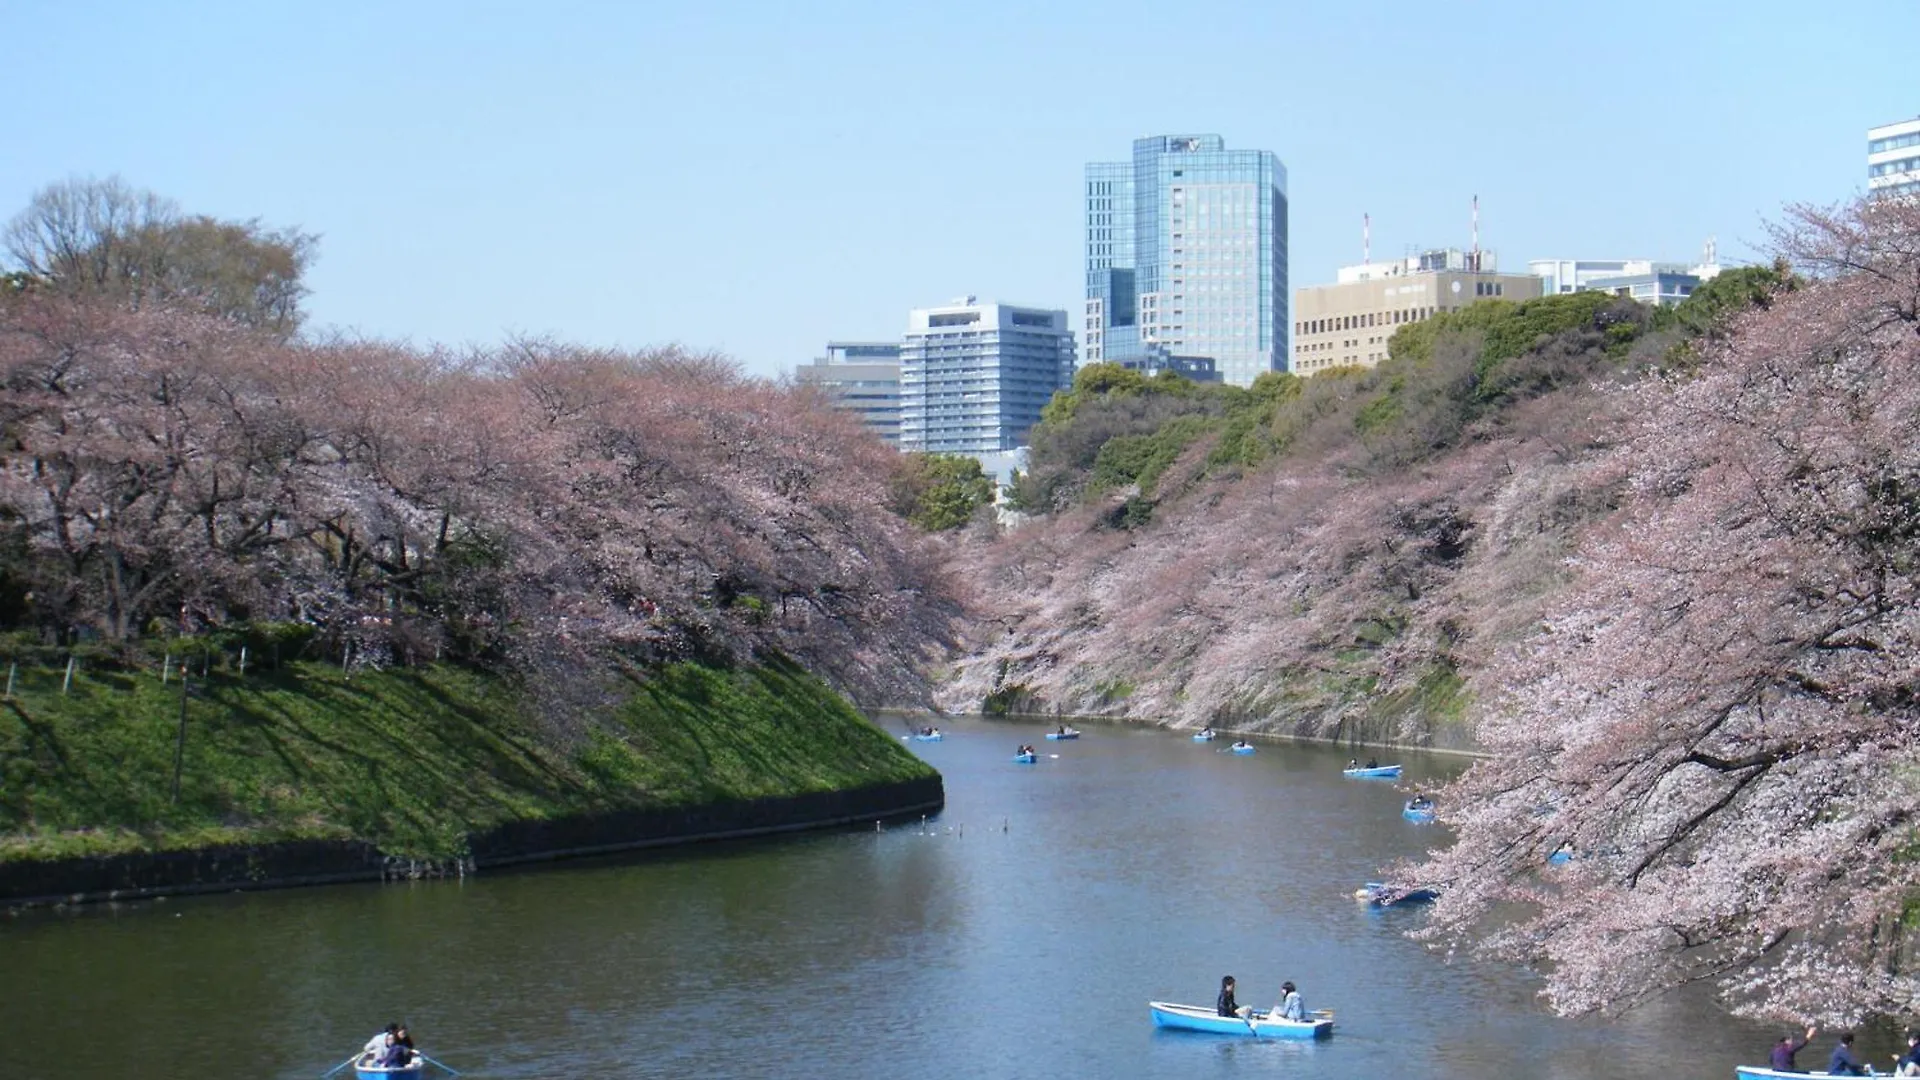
[1199, 1018]
[1203, 736]
[1242, 748]
[1382, 772]
[1025, 759]
[411, 1071]
[1068, 734]
[1560, 857]
[1417, 813]
[1755, 1072]
[1379, 894]
[935, 737]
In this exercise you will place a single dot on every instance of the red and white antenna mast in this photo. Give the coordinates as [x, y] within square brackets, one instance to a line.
[1476, 233]
[1366, 239]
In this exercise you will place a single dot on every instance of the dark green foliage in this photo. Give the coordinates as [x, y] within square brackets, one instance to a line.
[940, 491]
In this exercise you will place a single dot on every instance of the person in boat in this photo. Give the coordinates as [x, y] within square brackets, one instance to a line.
[1843, 1062]
[1781, 1058]
[1908, 1064]
[1373, 763]
[1206, 733]
[1419, 802]
[376, 1047]
[1353, 763]
[1242, 744]
[1290, 1007]
[1062, 731]
[1225, 1005]
[400, 1054]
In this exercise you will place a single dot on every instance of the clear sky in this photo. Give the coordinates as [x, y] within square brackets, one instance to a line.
[760, 177]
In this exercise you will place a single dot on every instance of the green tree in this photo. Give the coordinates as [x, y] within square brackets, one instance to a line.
[940, 491]
[106, 238]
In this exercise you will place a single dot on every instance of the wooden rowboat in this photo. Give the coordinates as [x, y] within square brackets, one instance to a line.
[1166, 1014]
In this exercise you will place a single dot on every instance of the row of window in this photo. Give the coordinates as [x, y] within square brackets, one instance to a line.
[1355, 322]
[1910, 164]
[1893, 142]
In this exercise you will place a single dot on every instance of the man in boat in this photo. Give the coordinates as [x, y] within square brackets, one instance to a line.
[1353, 763]
[1781, 1059]
[1225, 1005]
[1843, 1062]
[1290, 1007]
[1373, 763]
[1420, 802]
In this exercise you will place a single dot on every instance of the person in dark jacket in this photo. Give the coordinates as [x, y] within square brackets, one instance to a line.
[1908, 1064]
[1843, 1062]
[1226, 1006]
[1781, 1060]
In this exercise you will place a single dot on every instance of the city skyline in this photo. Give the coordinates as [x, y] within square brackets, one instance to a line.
[741, 179]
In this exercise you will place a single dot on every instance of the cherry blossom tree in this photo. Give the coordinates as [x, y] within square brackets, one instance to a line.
[1720, 713]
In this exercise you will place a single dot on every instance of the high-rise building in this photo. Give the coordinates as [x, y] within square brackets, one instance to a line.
[863, 377]
[1187, 256]
[1347, 324]
[974, 376]
[1893, 159]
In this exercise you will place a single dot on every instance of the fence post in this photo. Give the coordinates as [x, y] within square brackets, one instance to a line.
[180, 739]
[67, 682]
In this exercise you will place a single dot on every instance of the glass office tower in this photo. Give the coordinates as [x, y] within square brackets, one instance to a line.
[1187, 257]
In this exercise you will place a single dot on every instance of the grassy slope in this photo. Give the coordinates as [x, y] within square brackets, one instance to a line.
[409, 759]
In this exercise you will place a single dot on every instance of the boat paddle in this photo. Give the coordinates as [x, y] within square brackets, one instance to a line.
[337, 1068]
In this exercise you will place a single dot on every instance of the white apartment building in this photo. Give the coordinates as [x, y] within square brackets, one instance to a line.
[974, 376]
[1893, 159]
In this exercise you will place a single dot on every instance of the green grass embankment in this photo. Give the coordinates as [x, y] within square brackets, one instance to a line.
[412, 760]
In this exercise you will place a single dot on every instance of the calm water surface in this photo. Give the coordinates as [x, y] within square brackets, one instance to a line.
[1019, 934]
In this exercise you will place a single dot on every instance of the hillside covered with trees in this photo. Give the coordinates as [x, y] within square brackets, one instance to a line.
[184, 477]
[1658, 565]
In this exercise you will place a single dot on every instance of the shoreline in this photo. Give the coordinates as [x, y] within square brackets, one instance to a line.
[1054, 719]
[148, 875]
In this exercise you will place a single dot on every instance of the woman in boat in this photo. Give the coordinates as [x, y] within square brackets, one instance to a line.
[376, 1047]
[400, 1054]
[1908, 1064]
[1225, 1005]
[1290, 1007]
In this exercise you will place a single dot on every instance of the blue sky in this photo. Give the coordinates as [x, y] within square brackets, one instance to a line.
[760, 177]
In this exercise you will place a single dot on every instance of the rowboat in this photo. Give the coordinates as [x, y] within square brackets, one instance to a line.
[1070, 733]
[411, 1071]
[1417, 813]
[1379, 772]
[1203, 736]
[1379, 894]
[1560, 857]
[935, 737]
[1025, 759]
[1199, 1018]
[1242, 748]
[1755, 1072]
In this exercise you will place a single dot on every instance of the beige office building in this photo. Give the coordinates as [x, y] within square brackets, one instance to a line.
[1347, 324]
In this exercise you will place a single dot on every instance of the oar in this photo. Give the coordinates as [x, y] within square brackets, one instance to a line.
[337, 1068]
[450, 1069]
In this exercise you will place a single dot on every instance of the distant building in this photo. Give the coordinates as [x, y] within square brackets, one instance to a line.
[864, 378]
[1187, 251]
[1644, 280]
[1347, 324]
[974, 376]
[1893, 159]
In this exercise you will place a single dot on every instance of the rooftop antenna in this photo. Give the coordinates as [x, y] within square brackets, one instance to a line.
[1711, 255]
[1476, 233]
[1366, 239]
